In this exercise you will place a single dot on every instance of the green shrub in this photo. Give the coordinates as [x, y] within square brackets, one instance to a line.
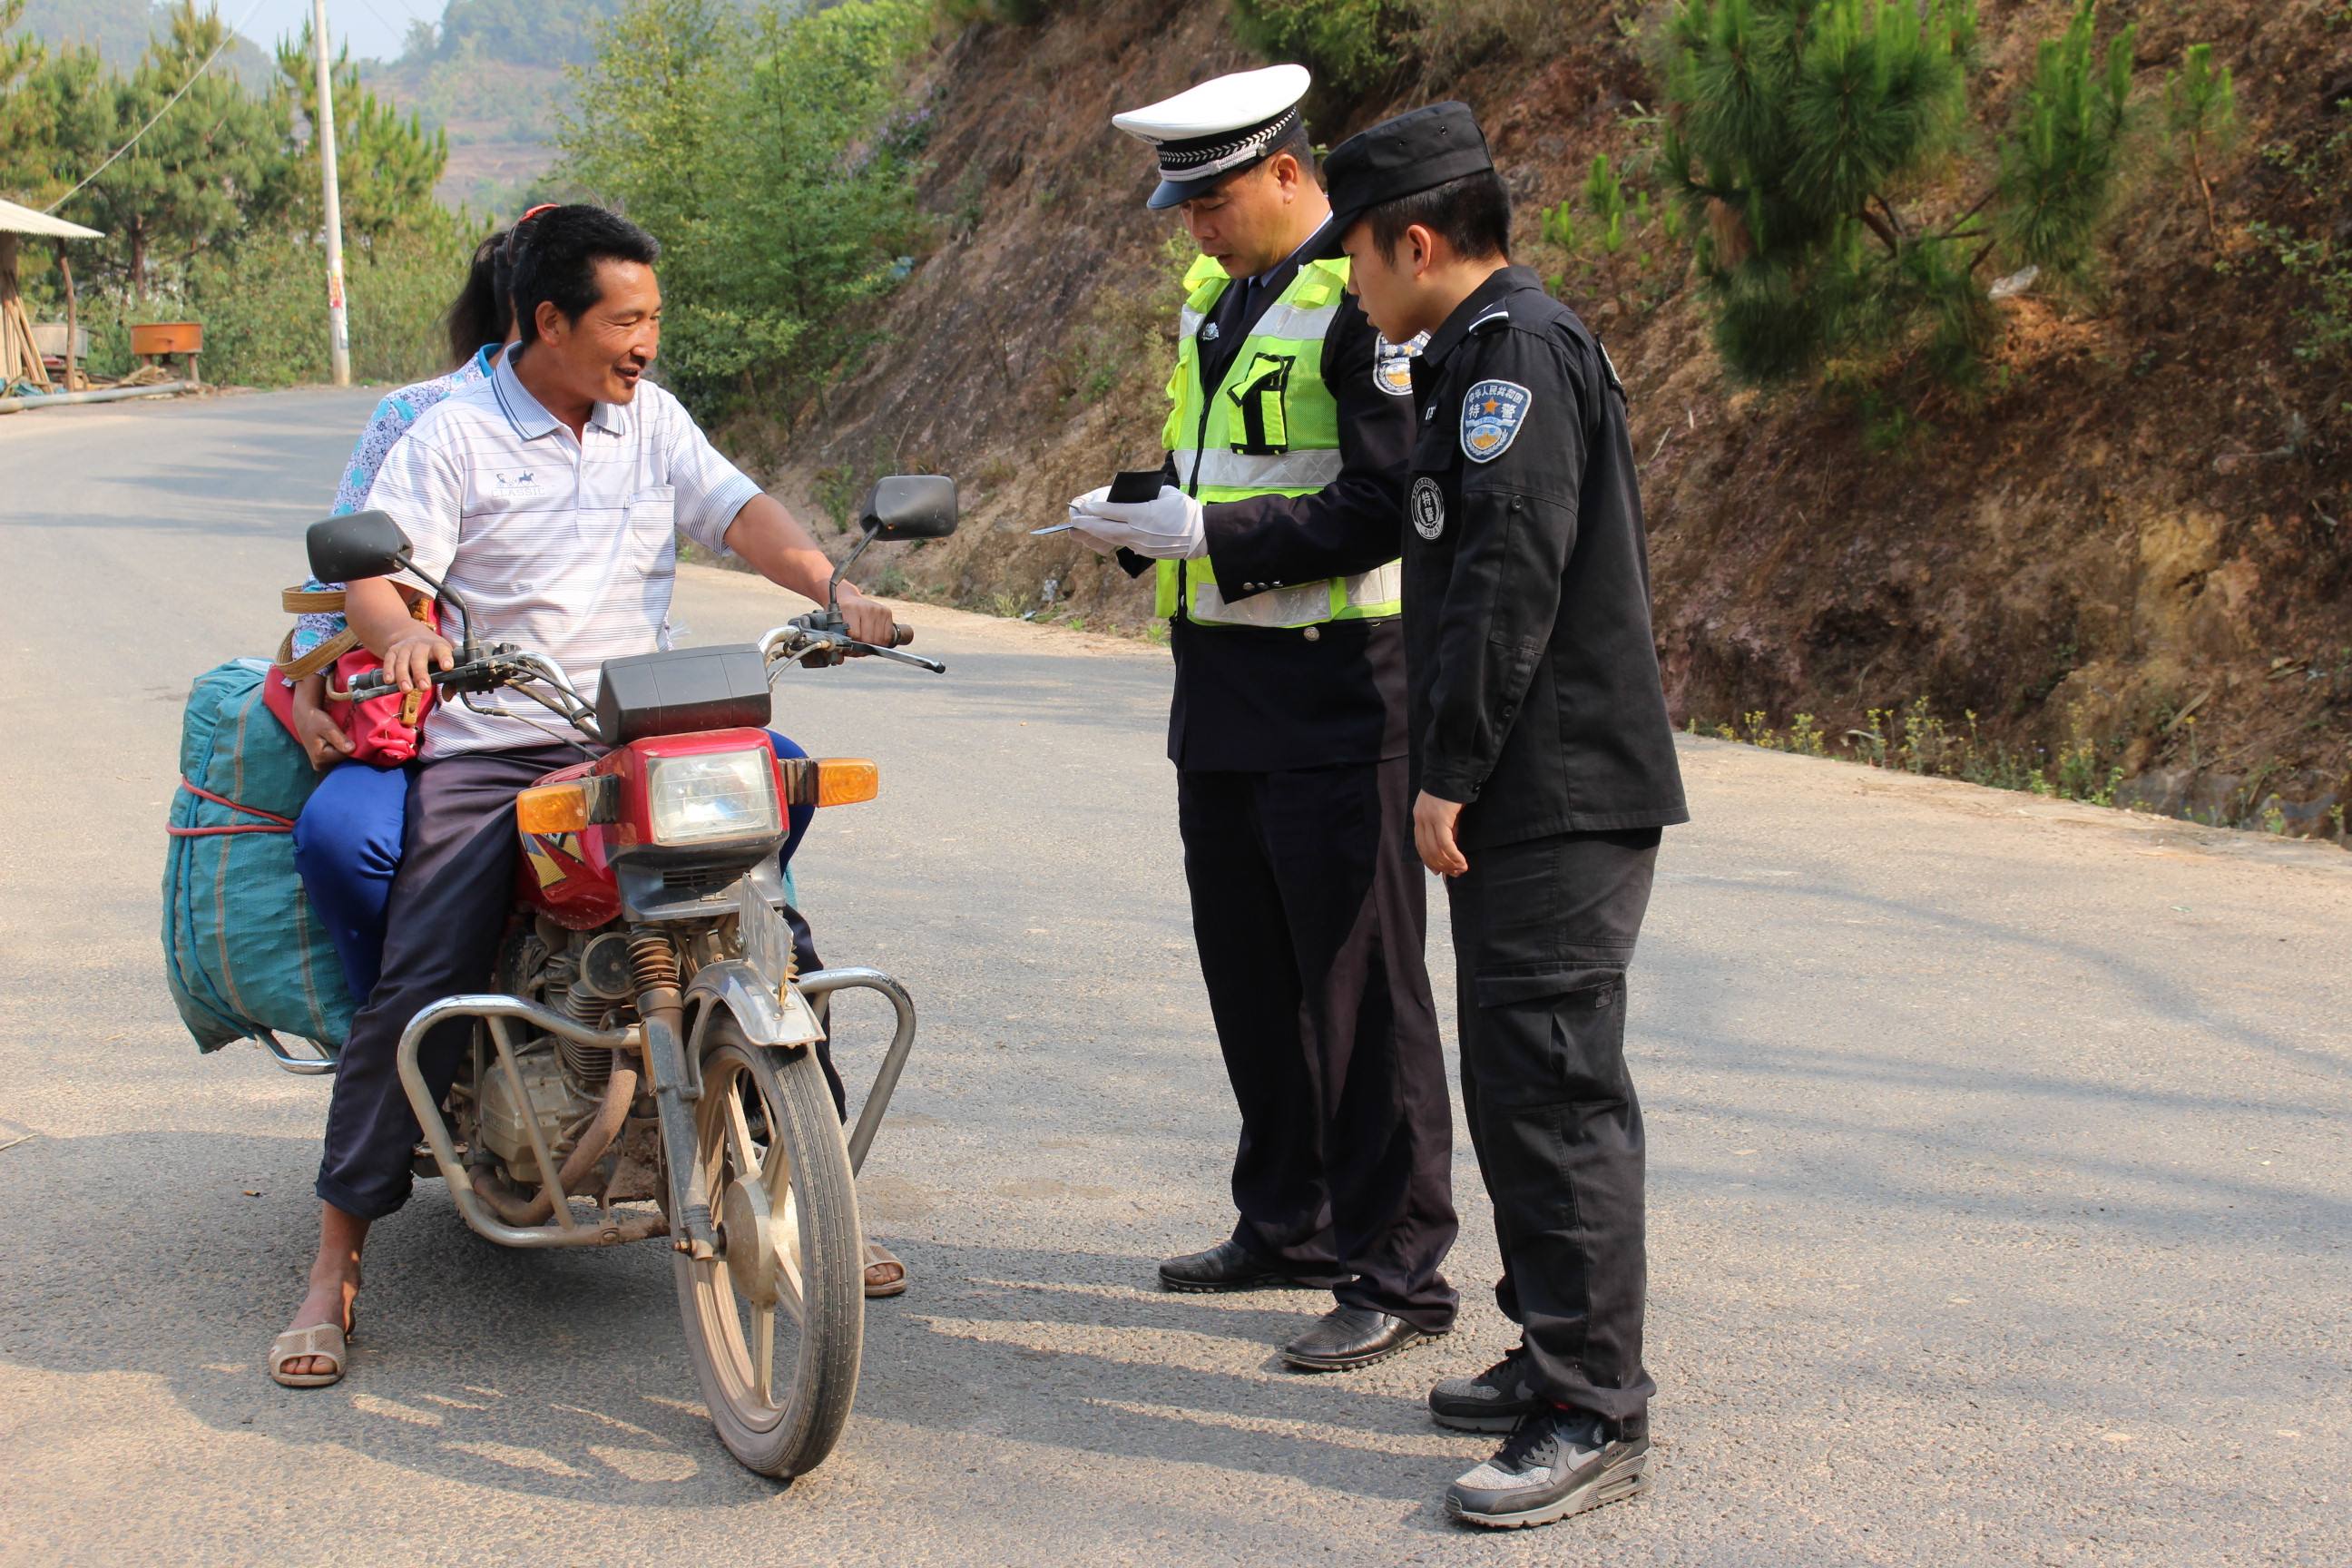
[1914, 739]
[998, 13]
[263, 306]
[1352, 46]
[773, 156]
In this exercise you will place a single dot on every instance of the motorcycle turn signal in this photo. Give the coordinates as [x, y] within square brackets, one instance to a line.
[568, 808]
[828, 781]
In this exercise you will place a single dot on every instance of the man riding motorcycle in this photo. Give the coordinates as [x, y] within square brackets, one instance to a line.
[548, 497]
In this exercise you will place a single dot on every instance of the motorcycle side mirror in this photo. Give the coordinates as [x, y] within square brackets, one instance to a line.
[361, 544]
[909, 506]
[370, 544]
[901, 508]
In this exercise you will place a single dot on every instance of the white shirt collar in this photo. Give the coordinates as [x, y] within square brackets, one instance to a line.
[530, 418]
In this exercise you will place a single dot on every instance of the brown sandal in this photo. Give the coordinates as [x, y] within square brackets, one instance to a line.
[885, 1275]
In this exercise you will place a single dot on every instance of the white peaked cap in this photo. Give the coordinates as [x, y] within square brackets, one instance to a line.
[1223, 124]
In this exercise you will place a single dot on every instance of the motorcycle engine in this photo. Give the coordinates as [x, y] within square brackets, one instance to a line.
[558, 1100]
[584, 977]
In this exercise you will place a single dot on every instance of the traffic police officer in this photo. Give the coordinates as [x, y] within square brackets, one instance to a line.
[1544, 765]
[1274, 539]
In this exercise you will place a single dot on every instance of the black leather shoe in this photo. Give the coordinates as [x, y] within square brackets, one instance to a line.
[1350, 1337]
[1228, 1265]
[1557, 1463]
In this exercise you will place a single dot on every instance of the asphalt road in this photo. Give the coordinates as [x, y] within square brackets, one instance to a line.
[2001, 1194]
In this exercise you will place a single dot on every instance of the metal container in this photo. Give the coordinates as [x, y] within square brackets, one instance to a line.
[167, 338]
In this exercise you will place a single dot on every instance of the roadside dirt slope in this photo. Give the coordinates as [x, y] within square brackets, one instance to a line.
[2135, 542]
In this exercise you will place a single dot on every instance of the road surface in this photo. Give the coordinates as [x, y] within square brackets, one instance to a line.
[2001, 1184]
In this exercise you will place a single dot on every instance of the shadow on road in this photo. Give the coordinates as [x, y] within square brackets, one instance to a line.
[599, 1401]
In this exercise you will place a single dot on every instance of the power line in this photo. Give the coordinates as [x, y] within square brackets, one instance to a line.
[227, 40]
[397, 34]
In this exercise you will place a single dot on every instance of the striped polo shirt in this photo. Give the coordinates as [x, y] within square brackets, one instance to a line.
[566, 547]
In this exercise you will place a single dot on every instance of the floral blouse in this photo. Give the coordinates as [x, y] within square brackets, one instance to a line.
[393, 417]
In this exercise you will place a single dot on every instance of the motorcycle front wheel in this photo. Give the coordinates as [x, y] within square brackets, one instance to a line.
[776, 1323]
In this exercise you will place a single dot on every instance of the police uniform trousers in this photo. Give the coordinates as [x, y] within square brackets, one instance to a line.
[1543, 931]
[1307, 907]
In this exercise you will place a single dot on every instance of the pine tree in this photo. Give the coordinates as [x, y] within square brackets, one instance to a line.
[197, 174]
[386, 163]
[25, 131]
[1801, 131]
[2201, 108]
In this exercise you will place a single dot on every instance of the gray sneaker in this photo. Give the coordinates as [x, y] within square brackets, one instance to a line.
[1494, 1401]
[1557, 1463]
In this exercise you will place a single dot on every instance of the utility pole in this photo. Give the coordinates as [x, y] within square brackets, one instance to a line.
[337, 318]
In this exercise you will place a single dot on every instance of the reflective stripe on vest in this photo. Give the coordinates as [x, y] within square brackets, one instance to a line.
[1255, 474]
[1271, 428]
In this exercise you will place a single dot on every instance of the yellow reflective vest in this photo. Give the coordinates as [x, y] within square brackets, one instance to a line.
[1273, 429]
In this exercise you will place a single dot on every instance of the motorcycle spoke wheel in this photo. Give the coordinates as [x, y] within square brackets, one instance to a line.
[776, 1321]
[748, 1154]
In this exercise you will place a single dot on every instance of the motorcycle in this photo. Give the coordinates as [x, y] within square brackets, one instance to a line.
[647, 1066]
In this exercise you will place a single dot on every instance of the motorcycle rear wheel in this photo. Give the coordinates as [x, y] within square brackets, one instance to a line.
[776, 1329]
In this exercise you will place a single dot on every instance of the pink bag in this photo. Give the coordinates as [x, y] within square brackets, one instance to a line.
[386, 730]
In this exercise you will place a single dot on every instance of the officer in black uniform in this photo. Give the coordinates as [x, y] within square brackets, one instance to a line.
[1289, 744]
[1544, 766]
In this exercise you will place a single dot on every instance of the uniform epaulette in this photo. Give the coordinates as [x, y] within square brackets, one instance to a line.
[1499, 313]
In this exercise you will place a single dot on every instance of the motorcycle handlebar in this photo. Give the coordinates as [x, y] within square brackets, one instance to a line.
[814, 626]
[500, 665]
[822, 637]
[373, 684]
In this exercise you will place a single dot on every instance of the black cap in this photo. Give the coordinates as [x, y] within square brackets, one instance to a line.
[1400, 157]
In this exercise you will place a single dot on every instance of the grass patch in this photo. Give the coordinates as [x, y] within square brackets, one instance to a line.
[1917, 740]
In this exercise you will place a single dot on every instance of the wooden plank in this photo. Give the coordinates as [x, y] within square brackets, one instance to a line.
[11, 367]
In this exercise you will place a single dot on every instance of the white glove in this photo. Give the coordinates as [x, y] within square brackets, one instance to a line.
[1078, 525]
[1169, 526]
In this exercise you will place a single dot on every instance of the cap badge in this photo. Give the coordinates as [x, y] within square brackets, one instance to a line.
[1492, 412]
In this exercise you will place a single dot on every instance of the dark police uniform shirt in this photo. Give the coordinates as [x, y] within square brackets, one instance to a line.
[1535, 690]
[1260, 700]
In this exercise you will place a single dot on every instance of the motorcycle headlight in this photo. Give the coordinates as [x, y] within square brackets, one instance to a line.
[713, 797]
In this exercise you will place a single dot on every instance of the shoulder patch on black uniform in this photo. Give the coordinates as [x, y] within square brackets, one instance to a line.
[1392, 363]
[1492, 412]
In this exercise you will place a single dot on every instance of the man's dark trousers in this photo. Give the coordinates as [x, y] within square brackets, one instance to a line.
[1543, 931]
[447, 911]
[1307, 908]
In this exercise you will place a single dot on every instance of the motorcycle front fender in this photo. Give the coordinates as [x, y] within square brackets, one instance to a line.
[770, 1012]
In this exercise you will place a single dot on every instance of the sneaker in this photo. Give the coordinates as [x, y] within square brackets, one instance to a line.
[1557, 1462]
[1494, 1401]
